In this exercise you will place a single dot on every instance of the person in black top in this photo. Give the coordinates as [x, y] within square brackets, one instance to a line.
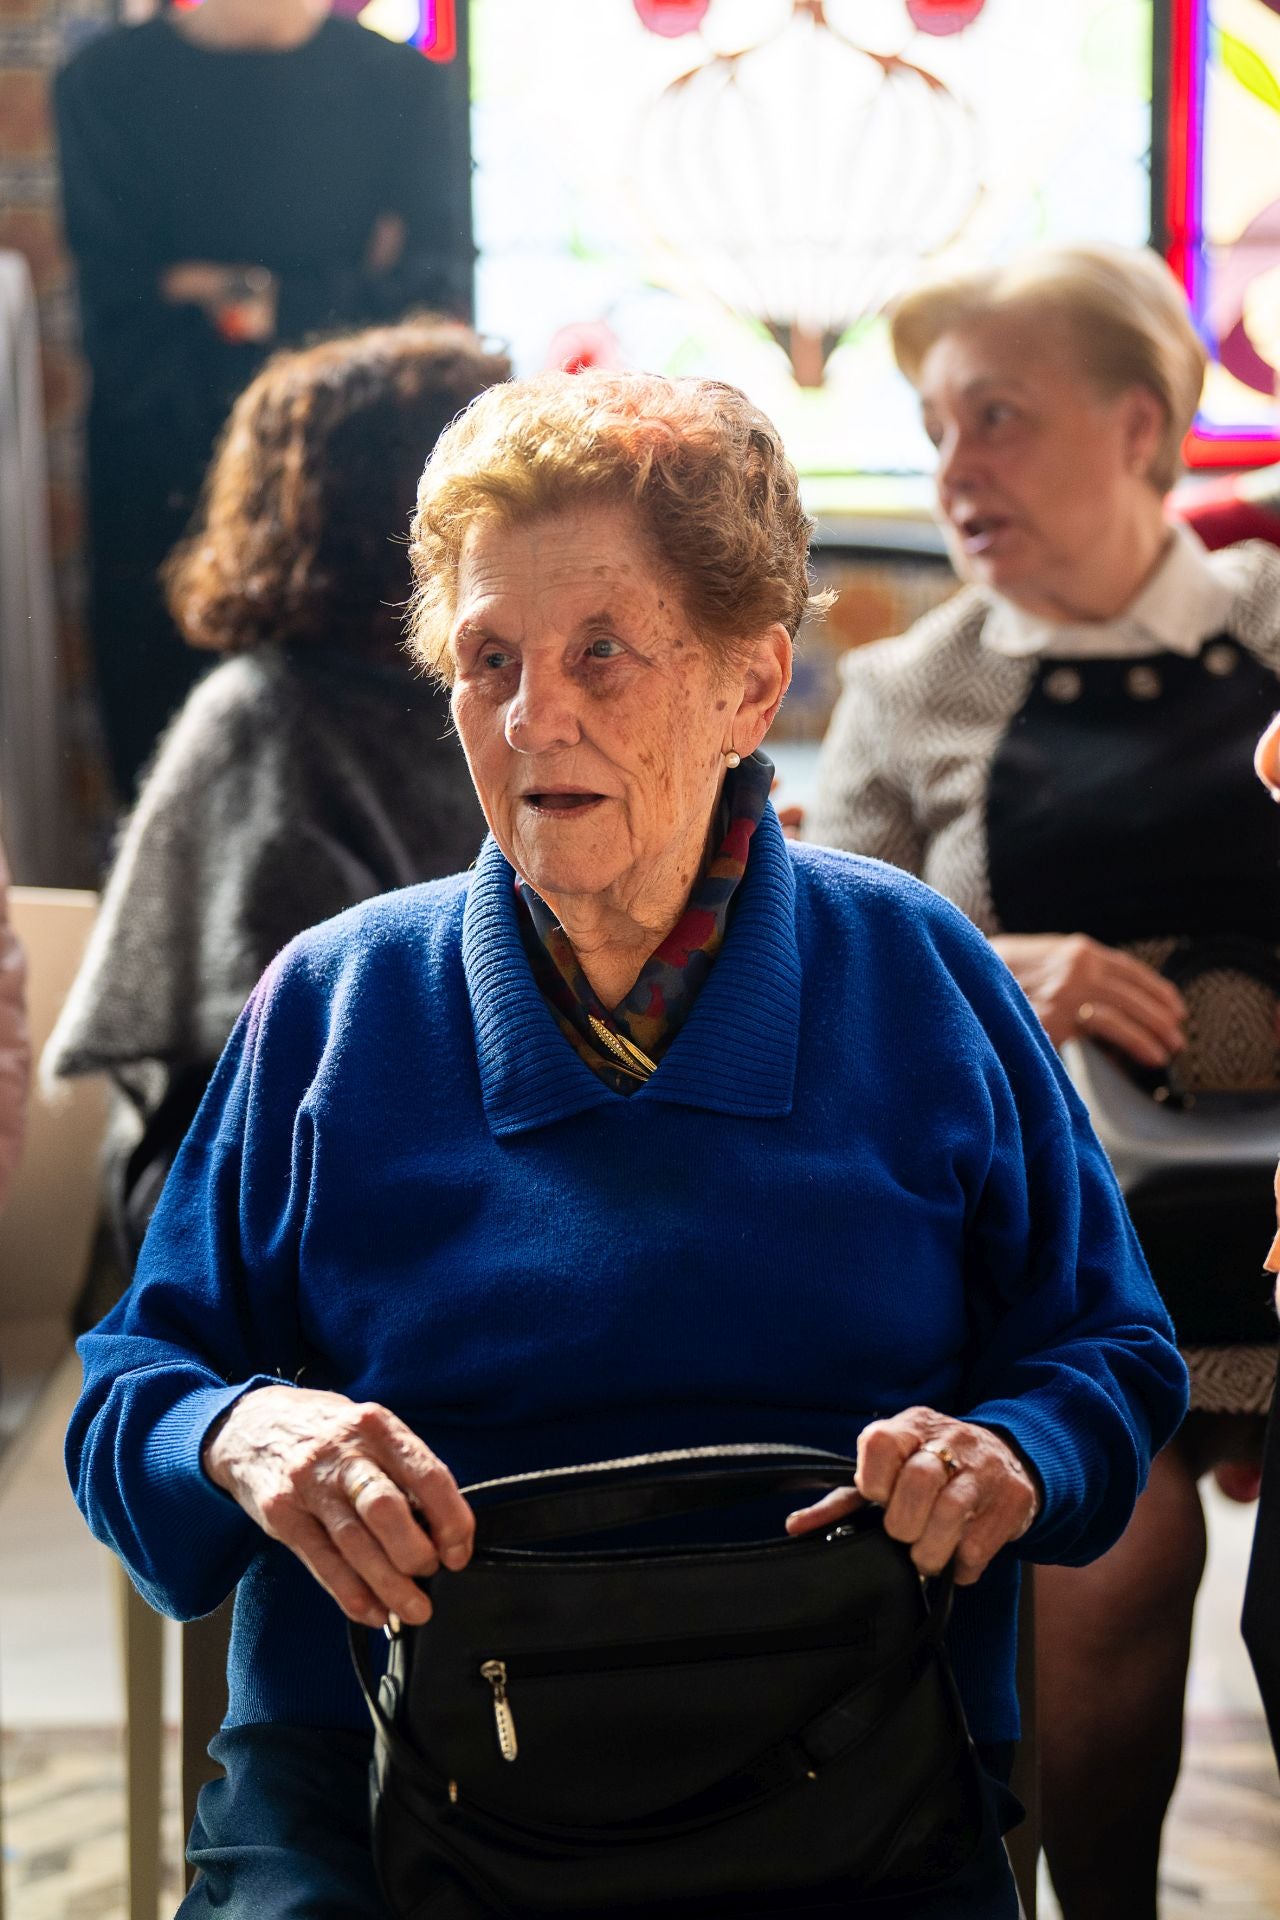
[234, 178]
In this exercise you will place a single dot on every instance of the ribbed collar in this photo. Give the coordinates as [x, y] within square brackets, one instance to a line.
[1187, 600]
[735, 1054]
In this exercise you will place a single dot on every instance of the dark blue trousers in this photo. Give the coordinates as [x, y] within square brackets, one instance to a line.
[286, 1837]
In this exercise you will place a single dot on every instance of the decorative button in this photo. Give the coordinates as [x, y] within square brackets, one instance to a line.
[1143, 683]
[1063, 684]
[1221, 659]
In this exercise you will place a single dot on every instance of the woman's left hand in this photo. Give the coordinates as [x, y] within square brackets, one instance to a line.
[949, 1489]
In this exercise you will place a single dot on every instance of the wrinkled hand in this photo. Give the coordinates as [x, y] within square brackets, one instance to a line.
[1078, 988]
[364, 1504]
[967, 1514]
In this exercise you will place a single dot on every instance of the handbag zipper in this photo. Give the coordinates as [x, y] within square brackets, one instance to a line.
[495, 1672]
[661, 1653]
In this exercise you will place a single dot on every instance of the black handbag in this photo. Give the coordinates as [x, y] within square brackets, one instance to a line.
[762, 1726]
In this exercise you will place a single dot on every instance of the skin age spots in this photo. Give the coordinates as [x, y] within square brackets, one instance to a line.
[596, 721]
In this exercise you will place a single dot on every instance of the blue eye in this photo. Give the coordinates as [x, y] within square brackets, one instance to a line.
[604, 649]
[495, 660]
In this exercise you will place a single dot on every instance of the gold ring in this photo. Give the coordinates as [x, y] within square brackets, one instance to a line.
[366, 1480]
[1085, 1013]
[943, 1453]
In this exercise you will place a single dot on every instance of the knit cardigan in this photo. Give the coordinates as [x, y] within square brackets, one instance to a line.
[857, 1182]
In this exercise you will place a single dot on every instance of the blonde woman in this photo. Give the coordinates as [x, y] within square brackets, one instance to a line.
[1063, 750]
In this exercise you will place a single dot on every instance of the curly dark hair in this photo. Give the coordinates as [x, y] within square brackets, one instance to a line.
[301, 534]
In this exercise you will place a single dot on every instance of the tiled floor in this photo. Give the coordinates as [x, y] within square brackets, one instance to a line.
[60, 1693]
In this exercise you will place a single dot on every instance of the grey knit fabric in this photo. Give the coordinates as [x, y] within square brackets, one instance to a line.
[294, 783]
[905, 764]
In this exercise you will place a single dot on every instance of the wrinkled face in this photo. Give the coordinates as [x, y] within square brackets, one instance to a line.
[594, 719]
[1036, 467]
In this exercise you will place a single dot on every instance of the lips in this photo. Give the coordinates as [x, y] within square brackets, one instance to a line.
[978, 532]
[562, 801]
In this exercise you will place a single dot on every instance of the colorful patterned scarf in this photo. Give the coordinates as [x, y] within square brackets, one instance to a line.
[623, 1044]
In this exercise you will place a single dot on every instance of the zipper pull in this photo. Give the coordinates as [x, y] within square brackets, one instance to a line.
[495, 1672]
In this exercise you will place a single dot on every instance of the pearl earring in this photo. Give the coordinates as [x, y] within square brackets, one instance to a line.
[733, 759]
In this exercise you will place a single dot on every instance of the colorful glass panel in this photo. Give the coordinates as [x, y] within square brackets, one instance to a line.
[741, 199]
[1222, 215]
[431, 25]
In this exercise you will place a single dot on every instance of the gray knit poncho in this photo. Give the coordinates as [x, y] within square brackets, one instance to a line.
[295, 782]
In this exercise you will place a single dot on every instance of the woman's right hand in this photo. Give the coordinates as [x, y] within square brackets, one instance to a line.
[345, 1485]
[1079, 988]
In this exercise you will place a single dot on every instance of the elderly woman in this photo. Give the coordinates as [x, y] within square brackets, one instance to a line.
[652, 1131]
[1063, 750]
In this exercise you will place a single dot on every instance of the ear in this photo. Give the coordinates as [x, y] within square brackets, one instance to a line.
[765, 677]
[1143, 424]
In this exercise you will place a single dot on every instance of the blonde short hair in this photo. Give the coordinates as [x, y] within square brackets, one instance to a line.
[1124, 308]
[703, 468]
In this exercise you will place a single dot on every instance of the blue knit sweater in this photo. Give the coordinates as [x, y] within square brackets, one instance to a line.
[858, 1181]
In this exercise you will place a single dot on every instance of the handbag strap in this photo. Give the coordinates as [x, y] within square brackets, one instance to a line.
[828, 1736]
[567, 1502]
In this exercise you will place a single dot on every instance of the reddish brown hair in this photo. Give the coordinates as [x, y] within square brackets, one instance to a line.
[301, 533]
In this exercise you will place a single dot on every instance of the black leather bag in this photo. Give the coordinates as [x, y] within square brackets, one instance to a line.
[764, 1726]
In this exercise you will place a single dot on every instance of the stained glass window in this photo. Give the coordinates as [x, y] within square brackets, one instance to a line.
[1222, 213]
[431, 25]
[737, 187]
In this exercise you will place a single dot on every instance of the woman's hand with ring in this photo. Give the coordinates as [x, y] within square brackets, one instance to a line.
[950, 1490]
[350, 1489]
[1078, 986]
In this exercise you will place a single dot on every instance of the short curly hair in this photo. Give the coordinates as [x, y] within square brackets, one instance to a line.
[1127, 316]
[301, 534]
[703, 468]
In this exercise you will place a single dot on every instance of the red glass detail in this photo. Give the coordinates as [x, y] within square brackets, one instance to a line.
[671, 18]
[584, 344]
[941, 17]
[438, 37]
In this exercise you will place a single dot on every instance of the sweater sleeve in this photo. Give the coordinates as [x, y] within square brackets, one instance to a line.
[1072, 1351]
[862, 803]
[422, 129]
[214, 1295]
[143, 352]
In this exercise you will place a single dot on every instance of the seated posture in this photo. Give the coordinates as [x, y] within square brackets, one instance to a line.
[652, 1131]
[1063, 750]
[314, 768]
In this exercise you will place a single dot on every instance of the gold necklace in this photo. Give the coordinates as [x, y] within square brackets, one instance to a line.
[628, 1056]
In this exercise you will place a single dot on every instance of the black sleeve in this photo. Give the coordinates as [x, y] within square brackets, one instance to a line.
[422, 113]
[140, 349]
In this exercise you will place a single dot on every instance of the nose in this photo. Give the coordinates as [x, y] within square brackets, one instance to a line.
[543, 714]
[957, 463]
